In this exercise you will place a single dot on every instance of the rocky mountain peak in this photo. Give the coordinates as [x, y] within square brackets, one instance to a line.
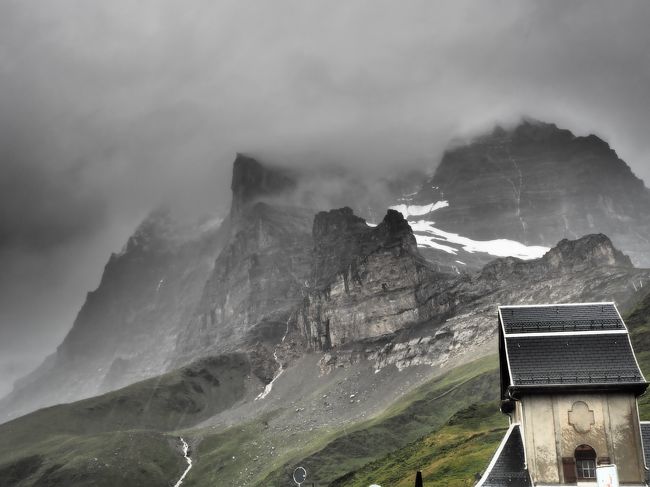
[341, 238]
[537, 184]
[531, 130]
[589, 251]
[336, 223]
[395, 224]
[251, 181]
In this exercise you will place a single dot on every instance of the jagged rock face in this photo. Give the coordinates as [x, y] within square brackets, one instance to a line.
[538, 184]
[127, 327]
[590, 251]
[252, 181]
[256, 282]
[462, 322]
[366, 281]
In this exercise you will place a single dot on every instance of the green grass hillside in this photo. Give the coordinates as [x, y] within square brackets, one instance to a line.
[121, 433]
[638, 322]
[449, 457]
[122, 458]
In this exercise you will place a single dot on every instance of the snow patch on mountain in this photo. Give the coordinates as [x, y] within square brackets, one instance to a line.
[429, 236]
[419, 210]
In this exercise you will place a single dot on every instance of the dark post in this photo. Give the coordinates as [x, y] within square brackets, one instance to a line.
[418, 479]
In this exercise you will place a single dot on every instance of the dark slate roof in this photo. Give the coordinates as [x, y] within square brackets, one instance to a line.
[579, 317]
[560, 345]
[572, 359]
[508, 465]
[645, 437]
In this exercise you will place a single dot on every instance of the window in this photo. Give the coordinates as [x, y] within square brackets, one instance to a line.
[585, 462]
[586, 469]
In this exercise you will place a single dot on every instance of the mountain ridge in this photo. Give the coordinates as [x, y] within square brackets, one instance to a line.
[537, 184]
[279, 279]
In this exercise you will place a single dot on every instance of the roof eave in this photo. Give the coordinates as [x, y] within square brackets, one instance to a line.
[637, 388]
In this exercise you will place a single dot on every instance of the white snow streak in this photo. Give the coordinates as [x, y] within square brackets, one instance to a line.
[269, 386]
[418, 210]
[500, 247]
[186, 448]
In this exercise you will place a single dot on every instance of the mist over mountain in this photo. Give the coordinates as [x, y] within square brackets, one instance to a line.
[108, 110]
[279, 267]
[299, 318]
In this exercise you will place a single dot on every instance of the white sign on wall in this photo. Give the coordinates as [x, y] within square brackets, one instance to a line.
[607, 476]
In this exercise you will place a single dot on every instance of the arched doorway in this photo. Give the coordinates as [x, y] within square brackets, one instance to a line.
[585, 462]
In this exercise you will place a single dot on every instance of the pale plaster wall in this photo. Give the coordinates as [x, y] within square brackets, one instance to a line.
[549, 436]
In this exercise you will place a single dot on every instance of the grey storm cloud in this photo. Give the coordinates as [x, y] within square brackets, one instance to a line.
[108, 108]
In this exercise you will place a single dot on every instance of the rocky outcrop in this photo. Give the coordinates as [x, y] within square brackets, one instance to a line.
[589, 251]
[365, 281]
[538, 184]
[252, 181]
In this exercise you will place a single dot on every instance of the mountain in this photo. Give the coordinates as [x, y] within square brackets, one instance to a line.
[127, 327]
[365, 281]
[337, 410]
[534, 184]
[180, 290]
[252, 181]
[296, 327]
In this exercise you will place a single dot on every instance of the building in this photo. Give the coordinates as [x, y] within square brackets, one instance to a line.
[569, 384]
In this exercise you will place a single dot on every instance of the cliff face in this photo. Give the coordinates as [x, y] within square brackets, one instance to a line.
[259, 275]
[538, 184]
[365, 281]
[257, 280]
[461, 313]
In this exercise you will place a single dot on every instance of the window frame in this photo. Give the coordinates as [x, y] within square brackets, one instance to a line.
[585, 462]
[587, 466]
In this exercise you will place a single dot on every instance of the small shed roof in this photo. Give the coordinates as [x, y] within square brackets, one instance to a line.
[582, 346]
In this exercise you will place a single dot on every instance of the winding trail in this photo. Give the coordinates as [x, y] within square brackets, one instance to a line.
[186, 449]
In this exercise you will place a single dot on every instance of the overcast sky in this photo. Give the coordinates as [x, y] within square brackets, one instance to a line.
[108, 107]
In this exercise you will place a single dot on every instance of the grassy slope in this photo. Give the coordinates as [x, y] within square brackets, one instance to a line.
[424, 410]
[638, 322]
[448, 457]
[124, 428]
[124, 458]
